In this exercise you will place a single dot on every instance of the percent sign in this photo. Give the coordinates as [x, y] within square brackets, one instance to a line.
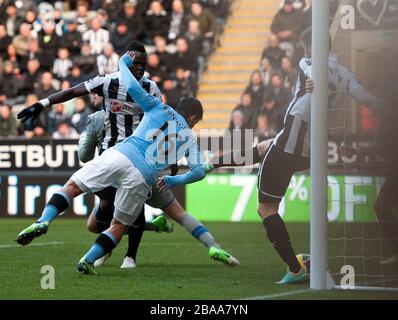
[298, 188]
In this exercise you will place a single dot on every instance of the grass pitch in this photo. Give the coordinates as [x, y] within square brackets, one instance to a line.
[169, 266]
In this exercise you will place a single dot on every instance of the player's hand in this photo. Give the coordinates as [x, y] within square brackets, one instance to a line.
[309, 85]
[31, 112]
[128, 58]
[162, 185]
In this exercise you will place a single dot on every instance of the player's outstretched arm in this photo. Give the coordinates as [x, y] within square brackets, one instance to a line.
[144, 99]
[239, 158]
[33, 111]
[196, 172]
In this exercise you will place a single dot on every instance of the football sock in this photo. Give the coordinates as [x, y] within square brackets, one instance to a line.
[237, 158]
[279, 237]
[104, 243]
[135, 234]
[104, 215]
[58, 203]
[198, 230]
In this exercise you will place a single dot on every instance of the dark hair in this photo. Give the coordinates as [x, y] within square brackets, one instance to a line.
[136, 46]
[189, 106]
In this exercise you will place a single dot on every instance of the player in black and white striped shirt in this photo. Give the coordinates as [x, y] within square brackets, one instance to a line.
[289, 152]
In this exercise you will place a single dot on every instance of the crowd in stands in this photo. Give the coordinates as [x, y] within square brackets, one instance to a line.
[49, 46]
[271, 87]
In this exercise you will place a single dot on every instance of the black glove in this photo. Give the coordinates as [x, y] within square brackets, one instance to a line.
[31, 112]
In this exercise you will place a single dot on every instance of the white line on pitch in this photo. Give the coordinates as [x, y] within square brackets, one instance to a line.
[31, 245]
[277, 295]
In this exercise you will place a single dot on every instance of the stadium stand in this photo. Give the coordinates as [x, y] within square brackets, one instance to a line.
[49, 46]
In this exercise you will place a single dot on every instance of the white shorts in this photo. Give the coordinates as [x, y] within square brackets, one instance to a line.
[113, 168]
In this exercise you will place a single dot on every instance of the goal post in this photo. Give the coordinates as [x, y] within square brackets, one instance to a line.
[319, 139]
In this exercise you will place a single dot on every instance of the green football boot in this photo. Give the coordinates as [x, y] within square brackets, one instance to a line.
[33, 231]
[84, 267]
[223, 256]
[162, 224]
[302, 275]
[291, 277]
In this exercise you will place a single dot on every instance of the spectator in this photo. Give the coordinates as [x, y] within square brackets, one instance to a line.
[265, 71]
[195, 38]
[183, 84]
[156, 71]
[166, 59]
[30, 77]
[206, 19]
[108, 61]
[33, 21]
[177, 22]
[289, 73]
[173, 95]
[273, 52]
[8, 123]
[237, 120]
[49, 41]
[64, 131]
[185, 57]
[156, 22]
[86, 61]
[72, 39]
[112, 8]
[5, 41]
[9, 85]
[273, 111]
[13, 57]
[264, 130]
[249, 112]
[58, 20]
[12, 20]
[46, 86]
[96, 36]
[35, 53]
[76, 76]
[281, 94]
[69, 106]
[82, 16]
[62, 64]
[133, 20]
[55, 116]
[256, 89]
[79, 118]
[21, 41]
[121, 37]
[39, 131]
[286, 25]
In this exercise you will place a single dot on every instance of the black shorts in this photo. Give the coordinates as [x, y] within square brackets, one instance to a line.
[108, 193]
[275, 173]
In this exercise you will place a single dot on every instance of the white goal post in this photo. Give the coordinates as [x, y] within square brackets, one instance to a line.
[319, 139]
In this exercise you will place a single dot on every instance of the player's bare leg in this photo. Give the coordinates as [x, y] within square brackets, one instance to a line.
[175, 211]
[58, 203]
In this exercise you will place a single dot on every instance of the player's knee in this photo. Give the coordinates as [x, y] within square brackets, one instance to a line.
[92, 226]
[71, 189]
[265, 210]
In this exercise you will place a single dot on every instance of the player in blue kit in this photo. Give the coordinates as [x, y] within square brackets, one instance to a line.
[163, 136]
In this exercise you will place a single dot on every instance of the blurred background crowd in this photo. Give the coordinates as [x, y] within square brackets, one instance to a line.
[47, 46]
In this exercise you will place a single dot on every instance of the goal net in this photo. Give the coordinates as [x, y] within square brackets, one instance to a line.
[359, 252]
